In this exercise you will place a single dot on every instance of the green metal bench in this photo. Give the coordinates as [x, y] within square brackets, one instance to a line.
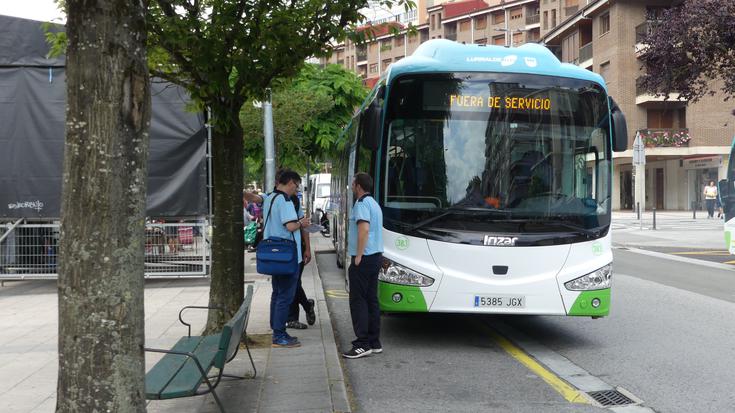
[185, 368]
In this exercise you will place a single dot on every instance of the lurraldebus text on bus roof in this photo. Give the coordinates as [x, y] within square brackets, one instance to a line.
[499, 102]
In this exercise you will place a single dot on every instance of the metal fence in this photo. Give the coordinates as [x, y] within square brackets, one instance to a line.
[30, 250]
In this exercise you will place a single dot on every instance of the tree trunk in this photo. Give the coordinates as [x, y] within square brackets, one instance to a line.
[226, 288]
[101, 323]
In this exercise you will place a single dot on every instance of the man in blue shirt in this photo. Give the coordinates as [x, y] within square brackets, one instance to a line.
[283, 222]
[365, 246]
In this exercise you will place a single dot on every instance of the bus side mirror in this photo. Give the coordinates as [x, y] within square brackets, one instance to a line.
[723, 189]
[371, 123]
[619, 128]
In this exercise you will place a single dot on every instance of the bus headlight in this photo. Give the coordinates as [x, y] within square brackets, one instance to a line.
[391, 272]
[596, 280]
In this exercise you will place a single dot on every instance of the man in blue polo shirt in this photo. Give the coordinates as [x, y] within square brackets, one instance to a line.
[365, 246]
[282, 221]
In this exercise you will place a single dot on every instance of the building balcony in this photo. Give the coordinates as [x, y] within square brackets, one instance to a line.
[361, 55]
[642, 96]
[585, 55]
[644, 29]
[641, 32]
[670, 137]
[533, 19]
[451, 36]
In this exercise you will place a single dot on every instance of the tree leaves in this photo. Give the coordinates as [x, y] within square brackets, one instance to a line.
[692, 46]
[309, 113]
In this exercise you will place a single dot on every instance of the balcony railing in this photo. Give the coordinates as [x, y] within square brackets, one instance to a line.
[644, 29]
[533, 19]
[568, 11]
[671, 137]
[585, 52]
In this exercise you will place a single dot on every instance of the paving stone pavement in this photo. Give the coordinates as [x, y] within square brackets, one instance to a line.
[305, 379]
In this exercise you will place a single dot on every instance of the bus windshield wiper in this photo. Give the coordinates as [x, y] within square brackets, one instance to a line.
[590, 233]
[452, 211]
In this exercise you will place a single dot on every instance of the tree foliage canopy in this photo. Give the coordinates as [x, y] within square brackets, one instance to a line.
[692, 45]
[309, 112]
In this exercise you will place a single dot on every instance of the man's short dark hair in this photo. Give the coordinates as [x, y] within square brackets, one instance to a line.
[287, 176]
[365, 181]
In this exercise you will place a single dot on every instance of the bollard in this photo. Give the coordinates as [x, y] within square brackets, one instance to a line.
[638, 210]
[694, 209]
[654, 218]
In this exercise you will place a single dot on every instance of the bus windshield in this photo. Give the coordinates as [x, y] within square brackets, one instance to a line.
[477, 151]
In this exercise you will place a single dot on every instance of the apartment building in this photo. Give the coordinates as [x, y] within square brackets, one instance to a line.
[687, 144]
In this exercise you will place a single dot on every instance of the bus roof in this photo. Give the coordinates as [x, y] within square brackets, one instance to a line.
[441, 55]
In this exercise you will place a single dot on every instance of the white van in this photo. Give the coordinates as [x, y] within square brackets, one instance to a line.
[319, 190]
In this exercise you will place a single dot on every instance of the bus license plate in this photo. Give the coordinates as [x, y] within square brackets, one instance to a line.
[500, 301]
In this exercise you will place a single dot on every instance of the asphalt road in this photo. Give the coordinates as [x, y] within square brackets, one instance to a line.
[669, 341]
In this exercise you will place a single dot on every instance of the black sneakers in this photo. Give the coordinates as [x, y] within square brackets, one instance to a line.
[310, 314]
[296, 325]
[378, 350]
[357, 352]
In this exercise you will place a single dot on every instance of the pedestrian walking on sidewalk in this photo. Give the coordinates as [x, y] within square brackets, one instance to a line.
[365, 246]
[710, 195]
[300, 299]
[283, 222]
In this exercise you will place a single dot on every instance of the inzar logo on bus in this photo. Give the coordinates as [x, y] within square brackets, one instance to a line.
[499, 241]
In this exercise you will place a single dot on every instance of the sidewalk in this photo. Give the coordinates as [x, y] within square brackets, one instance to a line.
[305, 379]
[673, 229]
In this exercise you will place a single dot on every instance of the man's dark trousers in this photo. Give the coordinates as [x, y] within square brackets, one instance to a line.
[299, 298]
[364, 306]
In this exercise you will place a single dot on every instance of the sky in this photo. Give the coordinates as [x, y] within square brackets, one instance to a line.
[43, 10]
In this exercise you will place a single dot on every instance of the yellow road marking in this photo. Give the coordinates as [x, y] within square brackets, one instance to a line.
[337, 293]
[567, 391]
[729, 262]
[719, 252]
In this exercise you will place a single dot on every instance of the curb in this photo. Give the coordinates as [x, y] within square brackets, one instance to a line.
[337, 387]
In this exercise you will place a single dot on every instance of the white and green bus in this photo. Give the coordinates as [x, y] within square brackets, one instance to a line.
[726, 194]
[492, 166]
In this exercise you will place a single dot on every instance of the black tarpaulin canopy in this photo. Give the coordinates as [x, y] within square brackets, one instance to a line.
[32, 108]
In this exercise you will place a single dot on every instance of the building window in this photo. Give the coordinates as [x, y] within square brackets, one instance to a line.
[399, 41]
[464, 26]
[438, 20]
[481, 41]
[570, 49]
[498, 18]
[604, 23]
[553, 18]
[481, 23]
[413, 38]
[654, 13]
[546, 20]
[433, 20]
[499, 40]
[373, 68]
[516, 13]
[424, 35]
[517, 38]
[386, 63]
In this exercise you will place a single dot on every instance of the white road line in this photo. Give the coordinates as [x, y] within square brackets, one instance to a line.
[677, 258]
